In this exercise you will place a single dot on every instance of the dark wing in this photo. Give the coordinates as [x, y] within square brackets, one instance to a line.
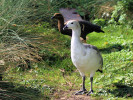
[88, 27]
[70, 14]
[67, 32]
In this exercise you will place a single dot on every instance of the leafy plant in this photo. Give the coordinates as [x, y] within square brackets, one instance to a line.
[122, 12]
[100, 22]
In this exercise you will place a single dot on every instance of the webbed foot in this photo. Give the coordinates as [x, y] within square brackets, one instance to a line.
[81, 92]
[90, 92]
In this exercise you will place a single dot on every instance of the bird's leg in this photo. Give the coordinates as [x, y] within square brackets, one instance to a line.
[91, 90]
[83, 90]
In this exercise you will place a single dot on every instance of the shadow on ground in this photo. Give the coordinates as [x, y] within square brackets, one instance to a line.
[11, 91]
[122, 90]
[113, 48]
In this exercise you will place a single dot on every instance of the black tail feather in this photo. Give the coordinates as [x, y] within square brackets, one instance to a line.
[99, 71]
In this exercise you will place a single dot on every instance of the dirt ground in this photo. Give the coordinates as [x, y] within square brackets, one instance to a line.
[69, 95]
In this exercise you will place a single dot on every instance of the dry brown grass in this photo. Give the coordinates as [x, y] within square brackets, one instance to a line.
[18, 54]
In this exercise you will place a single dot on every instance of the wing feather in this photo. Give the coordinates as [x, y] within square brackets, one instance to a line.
[70, 14]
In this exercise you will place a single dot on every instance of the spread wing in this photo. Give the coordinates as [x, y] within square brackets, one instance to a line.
[70, 14]
[88, 27]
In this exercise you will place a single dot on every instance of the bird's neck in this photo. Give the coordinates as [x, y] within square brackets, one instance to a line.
[60, 24]
[77, 48]
[75, 40]
[76, 34]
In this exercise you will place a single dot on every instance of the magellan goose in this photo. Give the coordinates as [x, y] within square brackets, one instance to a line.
[71, 14]
[85, 57]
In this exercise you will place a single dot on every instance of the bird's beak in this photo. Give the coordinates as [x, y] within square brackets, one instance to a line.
[52, 17]
[65, 27]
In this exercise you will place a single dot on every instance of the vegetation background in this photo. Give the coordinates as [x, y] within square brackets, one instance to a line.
[35, 59]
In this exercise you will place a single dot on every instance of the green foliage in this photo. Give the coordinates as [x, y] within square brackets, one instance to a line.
[123, 11]
[100, 22]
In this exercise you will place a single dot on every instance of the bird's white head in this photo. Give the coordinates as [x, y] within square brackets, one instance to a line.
[72, 24]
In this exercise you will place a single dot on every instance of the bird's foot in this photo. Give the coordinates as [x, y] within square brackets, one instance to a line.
[81, 92]
[90, 92]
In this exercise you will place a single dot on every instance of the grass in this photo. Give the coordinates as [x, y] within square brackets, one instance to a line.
[55, 76]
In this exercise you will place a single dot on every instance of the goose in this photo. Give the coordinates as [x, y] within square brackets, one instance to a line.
[85, 57]
[71, 14]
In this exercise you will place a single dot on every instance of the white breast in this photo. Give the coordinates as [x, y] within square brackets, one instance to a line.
[87, 61]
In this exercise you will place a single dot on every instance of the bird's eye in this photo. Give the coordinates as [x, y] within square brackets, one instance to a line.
[72, 23]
